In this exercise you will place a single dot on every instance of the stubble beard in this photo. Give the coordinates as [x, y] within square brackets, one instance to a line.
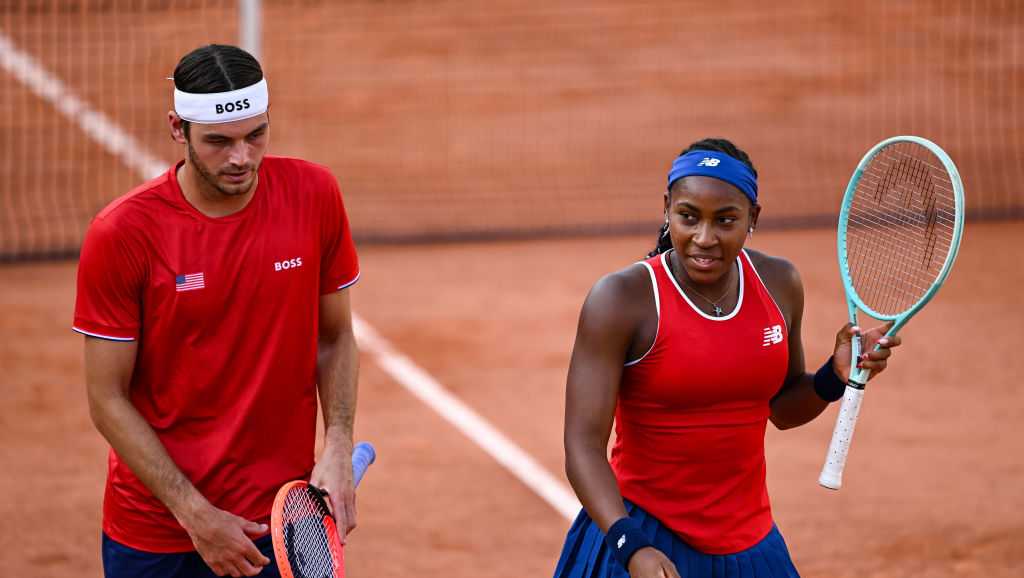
[211, 179]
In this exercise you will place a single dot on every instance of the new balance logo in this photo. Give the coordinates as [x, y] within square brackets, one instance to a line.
[621, 542]
[772, 335]
[708, 162]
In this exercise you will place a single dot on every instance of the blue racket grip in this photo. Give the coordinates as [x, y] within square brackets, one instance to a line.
[362, 456]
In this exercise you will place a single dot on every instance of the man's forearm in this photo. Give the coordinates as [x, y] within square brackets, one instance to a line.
[137, 446]
[338, 371]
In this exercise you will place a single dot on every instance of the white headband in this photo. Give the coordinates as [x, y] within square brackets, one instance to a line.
[218, 107]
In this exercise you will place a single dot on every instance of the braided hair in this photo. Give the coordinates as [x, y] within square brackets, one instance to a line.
[721, 145]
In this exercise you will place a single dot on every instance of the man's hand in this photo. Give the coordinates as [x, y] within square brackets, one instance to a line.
[223, 541]
[333, 473]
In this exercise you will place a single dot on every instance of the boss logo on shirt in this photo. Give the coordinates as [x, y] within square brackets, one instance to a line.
[233, 106]
[288, 264]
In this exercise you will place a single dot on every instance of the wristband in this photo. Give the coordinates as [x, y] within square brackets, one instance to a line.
[827, 384]
[624, 538]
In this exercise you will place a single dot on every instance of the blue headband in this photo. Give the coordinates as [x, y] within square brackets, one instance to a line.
[716, 165]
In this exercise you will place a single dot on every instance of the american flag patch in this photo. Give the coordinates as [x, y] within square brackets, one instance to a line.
[189, 282]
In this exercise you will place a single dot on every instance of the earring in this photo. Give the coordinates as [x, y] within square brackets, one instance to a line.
[665, 227]
[750, 233]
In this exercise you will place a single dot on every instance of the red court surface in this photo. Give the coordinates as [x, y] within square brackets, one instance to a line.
[933, 487]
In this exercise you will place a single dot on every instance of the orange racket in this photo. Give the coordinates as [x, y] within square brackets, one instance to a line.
[306, 542]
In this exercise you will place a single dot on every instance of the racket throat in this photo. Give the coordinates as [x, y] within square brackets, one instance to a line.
[858, 379]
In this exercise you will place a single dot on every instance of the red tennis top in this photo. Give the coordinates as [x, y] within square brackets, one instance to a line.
[225, 312]
[691, 414]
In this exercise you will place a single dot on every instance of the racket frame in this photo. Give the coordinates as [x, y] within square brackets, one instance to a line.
[277, 529]
[363, 455]
[832, 473]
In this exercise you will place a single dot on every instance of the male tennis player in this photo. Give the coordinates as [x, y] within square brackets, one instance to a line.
[215, 306]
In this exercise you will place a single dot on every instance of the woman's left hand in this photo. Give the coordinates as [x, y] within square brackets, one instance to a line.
[871, 359]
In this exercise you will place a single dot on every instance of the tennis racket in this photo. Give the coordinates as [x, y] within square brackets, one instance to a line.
[899, 233]
[306, 542]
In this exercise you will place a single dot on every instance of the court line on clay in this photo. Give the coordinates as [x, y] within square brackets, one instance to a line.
[98, 126]
[428, 390]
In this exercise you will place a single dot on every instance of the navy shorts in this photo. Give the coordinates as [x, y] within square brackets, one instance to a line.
[586, 556]
[120, 561]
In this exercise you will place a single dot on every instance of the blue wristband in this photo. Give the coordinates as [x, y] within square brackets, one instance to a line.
[624, 538]
[827, 384]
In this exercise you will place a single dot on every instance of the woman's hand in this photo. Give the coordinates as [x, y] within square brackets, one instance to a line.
[651, 563]
[875, 361]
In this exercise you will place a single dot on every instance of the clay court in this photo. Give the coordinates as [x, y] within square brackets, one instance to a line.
[493, 161]
[933, 485]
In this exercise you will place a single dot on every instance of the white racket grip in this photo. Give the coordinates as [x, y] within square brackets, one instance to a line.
[832, 474]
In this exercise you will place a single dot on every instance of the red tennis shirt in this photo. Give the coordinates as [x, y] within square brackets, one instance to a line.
[692, 412]
[225, 313]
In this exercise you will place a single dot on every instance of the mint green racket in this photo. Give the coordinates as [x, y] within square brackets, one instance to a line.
[899, 233]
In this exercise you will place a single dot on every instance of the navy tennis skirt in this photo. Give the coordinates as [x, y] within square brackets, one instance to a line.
[586, 556]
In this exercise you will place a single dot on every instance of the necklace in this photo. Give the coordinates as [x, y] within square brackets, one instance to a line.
[718, 310]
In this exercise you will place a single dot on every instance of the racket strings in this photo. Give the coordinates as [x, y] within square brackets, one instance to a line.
[900, 227]
[311, 553]
[890, 268]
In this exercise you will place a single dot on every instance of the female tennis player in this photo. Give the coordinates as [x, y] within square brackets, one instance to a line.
[691, 352]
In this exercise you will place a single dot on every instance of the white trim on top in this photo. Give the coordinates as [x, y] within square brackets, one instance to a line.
[766, 290]
[101, 336]
[657, 307]
[739, 301]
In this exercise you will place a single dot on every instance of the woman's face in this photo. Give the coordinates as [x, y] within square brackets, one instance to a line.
[708, 223]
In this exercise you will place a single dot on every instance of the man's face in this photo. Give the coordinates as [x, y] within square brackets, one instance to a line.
[227, 155]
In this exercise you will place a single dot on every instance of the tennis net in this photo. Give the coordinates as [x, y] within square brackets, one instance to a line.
[460, 120]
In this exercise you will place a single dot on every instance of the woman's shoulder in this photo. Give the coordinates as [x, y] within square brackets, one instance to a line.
[621, 294]
[625, 283]
[778, 273]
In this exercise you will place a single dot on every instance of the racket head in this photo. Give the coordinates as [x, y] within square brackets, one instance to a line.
[305, 536]
[900, 226]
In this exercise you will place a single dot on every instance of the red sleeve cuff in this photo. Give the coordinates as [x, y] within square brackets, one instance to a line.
[331, 286]
[104, 332]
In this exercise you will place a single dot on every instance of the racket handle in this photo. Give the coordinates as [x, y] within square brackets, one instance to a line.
[832, 474]
[362, 456]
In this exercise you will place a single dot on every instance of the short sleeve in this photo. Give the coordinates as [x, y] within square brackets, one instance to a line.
[339, 264]
[110, 280]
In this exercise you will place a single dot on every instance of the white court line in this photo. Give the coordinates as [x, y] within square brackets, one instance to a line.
[98, 126]
[476, 428]
[107, 134]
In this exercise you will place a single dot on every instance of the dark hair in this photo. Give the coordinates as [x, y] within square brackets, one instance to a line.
[215, 68]
[709, 144]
